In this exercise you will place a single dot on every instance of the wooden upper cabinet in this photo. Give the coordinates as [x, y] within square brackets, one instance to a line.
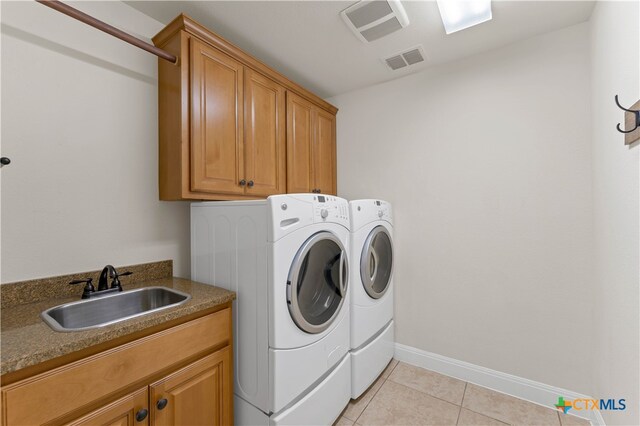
[299, 141]
[232, 128]
[311, 147]
[216, 121]
[265, 137]
[324, 153]
[199, 394]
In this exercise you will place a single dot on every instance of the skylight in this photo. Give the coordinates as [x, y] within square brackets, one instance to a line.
[460, 14]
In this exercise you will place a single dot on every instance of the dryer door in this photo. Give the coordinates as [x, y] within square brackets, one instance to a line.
[376, 262]
[317, 283]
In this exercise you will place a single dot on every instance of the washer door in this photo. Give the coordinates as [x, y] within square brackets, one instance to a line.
[376, 262]
[317, 283]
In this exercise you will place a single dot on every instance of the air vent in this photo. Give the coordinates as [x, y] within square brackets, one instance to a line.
[404, 59]
[396, 62]
[371, 20]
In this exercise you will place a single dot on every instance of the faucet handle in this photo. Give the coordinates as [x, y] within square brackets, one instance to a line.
[116, 282]
[88, 289]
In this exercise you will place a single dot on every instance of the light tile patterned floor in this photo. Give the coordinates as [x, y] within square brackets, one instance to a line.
[408, 395]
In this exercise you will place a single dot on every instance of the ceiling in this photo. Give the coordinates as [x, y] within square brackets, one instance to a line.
[308, 42]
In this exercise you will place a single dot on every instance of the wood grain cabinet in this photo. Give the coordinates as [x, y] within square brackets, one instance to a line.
[122, 412]
[179, 376]
[311, 147]
[195, 395]
[228, 123]
[216, 121]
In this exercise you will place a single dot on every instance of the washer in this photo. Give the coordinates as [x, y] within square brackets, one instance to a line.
[287, 259]
[372, 259]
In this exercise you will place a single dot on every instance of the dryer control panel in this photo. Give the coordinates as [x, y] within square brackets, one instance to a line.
[327, 208]
[363, 212]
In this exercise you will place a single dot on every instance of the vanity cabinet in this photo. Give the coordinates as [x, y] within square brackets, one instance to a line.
[196, 394]
[118, 413]
[231, 128]
[180, 375]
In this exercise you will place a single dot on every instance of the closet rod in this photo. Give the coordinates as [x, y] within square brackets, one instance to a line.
[103, 26]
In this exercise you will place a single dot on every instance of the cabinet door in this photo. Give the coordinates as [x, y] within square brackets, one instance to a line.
[198, 394]
[264, 132]
[323, 152]
[299, 139]
[121, 412]
[216, 121]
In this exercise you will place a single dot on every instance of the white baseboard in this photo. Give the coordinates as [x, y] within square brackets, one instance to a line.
[526, 389]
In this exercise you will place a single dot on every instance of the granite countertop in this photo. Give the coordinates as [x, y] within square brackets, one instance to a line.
[26, 340]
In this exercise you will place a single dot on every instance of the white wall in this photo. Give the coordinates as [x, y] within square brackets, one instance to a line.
[615, 61]
[79, 121]
[488, 166]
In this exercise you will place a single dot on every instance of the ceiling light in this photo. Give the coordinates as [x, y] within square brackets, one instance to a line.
[460, 14]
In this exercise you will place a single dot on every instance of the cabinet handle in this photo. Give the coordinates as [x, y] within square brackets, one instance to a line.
[250, 184]
[319, 191]
[162, 403]
[141, 415]
[243, 182]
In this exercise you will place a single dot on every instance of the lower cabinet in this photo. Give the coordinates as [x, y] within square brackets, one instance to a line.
[131, 409]
[196, 394]
[179, 376]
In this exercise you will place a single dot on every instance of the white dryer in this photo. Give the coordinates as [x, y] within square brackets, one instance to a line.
[286, 258]
[372, 335]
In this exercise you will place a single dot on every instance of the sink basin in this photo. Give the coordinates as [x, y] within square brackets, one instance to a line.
[112, 308]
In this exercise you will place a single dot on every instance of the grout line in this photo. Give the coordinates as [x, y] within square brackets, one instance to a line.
[424, 393]
[464, 394]
[459, 412]
[489, 417]
[429, 394]
[373, 396]
[394, 367]
[343, 411]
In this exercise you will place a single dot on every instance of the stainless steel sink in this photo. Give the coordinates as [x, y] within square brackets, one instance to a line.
[113, 308]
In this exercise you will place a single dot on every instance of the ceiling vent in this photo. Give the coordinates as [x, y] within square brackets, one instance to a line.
[371, 20]
[409, 57]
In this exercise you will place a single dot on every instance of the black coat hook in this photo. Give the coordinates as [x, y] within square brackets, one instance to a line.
[637, 117]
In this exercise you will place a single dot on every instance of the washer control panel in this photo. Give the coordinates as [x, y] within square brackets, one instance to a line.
[327, 208]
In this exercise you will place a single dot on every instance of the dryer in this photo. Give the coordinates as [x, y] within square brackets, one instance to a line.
[372, 258]
[286, 258]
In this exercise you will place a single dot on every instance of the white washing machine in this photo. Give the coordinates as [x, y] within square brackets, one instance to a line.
[372, 338]
[286, 258]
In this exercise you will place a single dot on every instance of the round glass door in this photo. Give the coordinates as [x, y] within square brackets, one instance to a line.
[376, 262]
[317, 284]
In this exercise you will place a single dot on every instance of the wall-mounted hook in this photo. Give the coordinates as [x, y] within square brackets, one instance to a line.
[4, 161]
[636, 120]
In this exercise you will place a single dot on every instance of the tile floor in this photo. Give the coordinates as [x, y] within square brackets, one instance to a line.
[408, 395]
